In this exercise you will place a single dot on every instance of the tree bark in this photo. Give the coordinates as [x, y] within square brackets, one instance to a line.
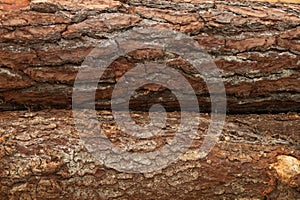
[254, 44]
[42, 157]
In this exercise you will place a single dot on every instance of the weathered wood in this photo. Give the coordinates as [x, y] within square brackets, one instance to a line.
[255, 45]
[42, 157]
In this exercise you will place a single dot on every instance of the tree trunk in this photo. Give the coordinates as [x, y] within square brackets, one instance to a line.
[254, 43]
[42, 157]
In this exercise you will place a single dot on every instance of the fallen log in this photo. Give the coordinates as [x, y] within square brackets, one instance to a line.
[42, 157]
[254, 44]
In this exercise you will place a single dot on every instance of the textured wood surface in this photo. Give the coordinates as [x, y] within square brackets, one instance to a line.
[254, 44]
[257, 157]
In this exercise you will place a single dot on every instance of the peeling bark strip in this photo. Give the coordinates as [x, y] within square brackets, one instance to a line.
[254, 43]
[42, 157]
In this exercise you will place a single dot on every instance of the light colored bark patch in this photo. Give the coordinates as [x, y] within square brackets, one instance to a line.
[278, 1]
[8, 5]
[287, 167]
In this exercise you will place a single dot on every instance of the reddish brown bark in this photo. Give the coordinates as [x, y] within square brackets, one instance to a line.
[42, 157]
[255, 45]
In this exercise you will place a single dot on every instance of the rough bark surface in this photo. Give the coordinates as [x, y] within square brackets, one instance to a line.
[42, 157]
[255, 45]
